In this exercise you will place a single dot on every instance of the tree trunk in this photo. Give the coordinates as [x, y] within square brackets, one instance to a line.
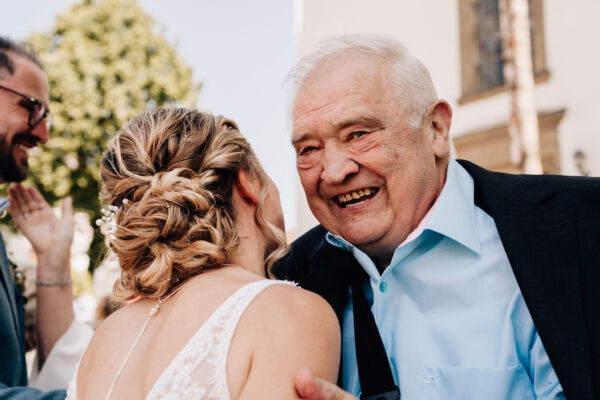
[518, 74]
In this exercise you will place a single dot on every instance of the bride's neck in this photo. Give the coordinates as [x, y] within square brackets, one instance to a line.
[250, 254]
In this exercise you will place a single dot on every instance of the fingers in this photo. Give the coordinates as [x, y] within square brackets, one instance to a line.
[14, 210]
[36, 199]
[26, 200]
[310, 387]
[66, 209]
[18, 206]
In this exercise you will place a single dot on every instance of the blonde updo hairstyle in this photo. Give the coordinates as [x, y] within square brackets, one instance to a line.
[177, 167]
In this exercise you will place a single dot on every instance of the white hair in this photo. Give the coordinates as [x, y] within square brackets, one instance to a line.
[413, 86]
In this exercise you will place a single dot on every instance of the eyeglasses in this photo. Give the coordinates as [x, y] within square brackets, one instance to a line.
[36, 109]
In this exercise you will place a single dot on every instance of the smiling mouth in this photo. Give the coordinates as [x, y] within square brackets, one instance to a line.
[24, 145]
[355, 197]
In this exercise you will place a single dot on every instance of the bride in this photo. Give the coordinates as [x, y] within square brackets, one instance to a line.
[195, 224]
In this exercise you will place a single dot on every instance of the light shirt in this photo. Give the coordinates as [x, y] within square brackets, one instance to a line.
[450, 313]
[61, 363]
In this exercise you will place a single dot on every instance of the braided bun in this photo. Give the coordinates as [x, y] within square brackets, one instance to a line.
[177, 168]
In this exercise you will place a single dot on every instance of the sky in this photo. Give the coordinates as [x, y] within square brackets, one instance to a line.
[240, 50]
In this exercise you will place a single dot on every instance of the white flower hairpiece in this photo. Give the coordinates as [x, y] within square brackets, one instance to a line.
[108, 222]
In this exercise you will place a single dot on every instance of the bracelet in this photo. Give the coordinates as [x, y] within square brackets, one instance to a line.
[54, 283]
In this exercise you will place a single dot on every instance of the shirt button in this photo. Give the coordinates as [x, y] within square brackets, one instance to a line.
[383, 287]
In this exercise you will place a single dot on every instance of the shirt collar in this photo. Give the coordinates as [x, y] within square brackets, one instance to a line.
[452, 215]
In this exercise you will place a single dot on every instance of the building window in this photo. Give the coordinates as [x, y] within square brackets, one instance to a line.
[481, 47]
[490, 62]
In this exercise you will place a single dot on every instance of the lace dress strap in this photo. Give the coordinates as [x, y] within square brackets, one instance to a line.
[199, 370]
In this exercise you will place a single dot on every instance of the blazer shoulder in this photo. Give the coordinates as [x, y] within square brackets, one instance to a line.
[296, 263]
[310, 239]
[538, 188]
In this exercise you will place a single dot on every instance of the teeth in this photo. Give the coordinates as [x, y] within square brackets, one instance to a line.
[355, 195]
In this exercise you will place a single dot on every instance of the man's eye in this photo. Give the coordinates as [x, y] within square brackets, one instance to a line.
[29, 106]
[358, 134]
[306, 150]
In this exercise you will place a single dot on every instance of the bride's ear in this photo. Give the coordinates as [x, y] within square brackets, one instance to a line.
[247, 186]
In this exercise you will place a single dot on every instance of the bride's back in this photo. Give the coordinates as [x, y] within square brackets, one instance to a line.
[167, 333]
[187, 199]
[281, 321]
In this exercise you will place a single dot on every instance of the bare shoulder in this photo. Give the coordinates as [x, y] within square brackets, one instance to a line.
[284, 329]
[128, 316]
[114, 332]
[283, 304]
[291, 323]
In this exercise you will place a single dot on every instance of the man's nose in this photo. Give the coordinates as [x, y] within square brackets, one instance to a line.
[337, 165]
[40, 131]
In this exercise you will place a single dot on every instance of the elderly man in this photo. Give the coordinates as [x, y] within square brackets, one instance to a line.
[482, 285]
[24, 122]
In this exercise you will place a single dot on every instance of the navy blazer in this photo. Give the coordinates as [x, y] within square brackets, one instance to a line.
[13, 368]
[550, 229]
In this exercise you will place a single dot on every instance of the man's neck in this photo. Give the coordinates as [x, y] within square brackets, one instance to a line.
[382, 259]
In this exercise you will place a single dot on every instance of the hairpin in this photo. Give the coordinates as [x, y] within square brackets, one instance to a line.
[108, 222]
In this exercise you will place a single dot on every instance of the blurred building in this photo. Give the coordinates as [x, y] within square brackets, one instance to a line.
[459, 42]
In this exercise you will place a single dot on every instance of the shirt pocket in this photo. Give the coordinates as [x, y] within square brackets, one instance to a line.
[458, 383]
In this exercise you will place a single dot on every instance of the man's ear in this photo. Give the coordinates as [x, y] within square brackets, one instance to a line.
[248, 186]
[441, 119]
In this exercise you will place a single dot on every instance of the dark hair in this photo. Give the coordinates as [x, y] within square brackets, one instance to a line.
[23, 49]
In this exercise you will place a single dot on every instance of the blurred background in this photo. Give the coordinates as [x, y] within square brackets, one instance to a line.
[106, 60]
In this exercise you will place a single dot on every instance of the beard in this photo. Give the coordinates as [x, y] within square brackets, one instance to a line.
[10, 169]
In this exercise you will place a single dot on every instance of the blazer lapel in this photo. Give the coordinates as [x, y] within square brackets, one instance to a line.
[537, 230]
[331, 275]
[319, 267]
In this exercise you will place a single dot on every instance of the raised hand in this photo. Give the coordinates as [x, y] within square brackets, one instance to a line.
[50, 236]
[310, 387]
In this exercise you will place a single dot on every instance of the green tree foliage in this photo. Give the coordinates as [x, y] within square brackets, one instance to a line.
[106, 61]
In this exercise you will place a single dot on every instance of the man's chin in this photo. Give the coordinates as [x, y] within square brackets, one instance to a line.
[11, 172]
[361, 236]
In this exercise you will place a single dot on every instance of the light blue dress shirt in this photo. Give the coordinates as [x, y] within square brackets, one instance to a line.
[449, 310]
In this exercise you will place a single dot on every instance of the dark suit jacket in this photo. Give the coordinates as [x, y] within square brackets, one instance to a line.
[13, 369]
[550, 229]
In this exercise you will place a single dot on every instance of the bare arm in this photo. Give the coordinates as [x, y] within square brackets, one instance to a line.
[300, 330]
[51, 238]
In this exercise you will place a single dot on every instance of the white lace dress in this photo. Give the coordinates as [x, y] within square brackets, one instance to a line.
[199, 369]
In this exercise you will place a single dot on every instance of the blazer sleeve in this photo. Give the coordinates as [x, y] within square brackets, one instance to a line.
[27, 393]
